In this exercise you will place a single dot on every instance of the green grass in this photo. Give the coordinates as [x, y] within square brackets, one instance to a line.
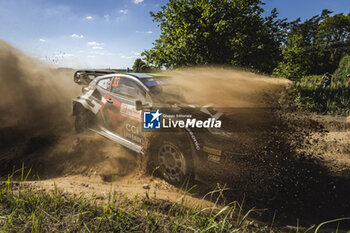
[25, 210]
[311, 96]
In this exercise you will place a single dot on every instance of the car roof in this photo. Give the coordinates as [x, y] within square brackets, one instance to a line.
[139, 77]
[135, 75]
[145, 75]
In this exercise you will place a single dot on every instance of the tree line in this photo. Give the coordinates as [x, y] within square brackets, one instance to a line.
[237, 33]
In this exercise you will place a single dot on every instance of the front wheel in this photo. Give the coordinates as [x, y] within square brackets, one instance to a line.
[173, 158]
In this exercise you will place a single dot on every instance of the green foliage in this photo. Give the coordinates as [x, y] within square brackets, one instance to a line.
[325, 100]
[311, 96]
[314, 79]
[332, 41]
[343, 70]
[318, 44]
[294, 64]
[140, 66]
[196, 32]
[205, 32]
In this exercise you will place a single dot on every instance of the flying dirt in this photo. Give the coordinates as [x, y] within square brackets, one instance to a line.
[284, 170]
[36, 129]
[228, 88]
[34, 96]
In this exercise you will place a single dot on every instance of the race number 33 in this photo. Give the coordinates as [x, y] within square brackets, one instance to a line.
[116, 82]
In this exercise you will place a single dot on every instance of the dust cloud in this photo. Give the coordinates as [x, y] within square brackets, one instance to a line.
[37, 125]
[33, 95]
[227, 87]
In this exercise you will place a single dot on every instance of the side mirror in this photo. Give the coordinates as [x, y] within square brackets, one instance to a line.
[84, 90]
[138, 105]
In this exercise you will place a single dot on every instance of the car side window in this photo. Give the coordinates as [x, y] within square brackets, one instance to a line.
[105, 83]
[127, 88]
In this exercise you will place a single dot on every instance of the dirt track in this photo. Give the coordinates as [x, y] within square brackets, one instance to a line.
[87, 164]
[301, 168]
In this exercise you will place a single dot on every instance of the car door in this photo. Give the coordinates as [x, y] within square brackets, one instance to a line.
[120, 112]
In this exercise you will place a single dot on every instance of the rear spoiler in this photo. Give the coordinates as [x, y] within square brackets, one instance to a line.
[84, 77]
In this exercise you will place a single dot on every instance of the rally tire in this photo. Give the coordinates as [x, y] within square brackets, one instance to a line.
[173, 160]
[82, 121]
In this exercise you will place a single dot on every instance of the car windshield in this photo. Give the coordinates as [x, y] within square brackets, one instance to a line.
[162, 91]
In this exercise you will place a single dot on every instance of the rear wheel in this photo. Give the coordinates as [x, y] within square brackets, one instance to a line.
[80, 122]
[83, 119]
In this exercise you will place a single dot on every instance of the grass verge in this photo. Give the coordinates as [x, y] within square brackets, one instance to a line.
[24, 209]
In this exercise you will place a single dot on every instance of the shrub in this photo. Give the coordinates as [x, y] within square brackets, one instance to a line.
[343, 69]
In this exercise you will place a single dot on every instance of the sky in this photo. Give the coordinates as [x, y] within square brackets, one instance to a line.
[106, 33]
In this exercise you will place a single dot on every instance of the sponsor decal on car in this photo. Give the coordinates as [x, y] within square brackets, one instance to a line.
[214, 158]
[130, 111]
[133, 133]
[212, 150]
[194, 139]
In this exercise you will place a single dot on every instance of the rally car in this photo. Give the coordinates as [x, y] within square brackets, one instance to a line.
[116, 106]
